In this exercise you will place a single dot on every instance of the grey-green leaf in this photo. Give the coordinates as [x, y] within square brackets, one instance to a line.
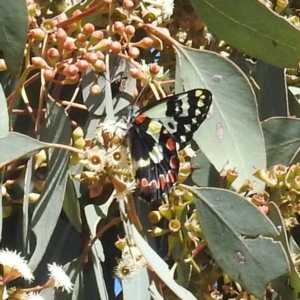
[4, 128]
[287, 285]
[159, 266]
[240, 238]
[252, 28]
[56, 128]
[272, 94]
[13, 33]
[231, 137]
[16, 145]
[282, 139]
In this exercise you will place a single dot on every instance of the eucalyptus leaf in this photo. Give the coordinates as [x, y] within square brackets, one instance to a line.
[160, 267]
[71, 206]
[13, 33]
[287, 285]
[137, 287]
[252, 28]
[282, 139]
[272, 95]
[231, 137]
[56, 129]
[16, 145]
[4, 122]
[241, 239]
[294, 106]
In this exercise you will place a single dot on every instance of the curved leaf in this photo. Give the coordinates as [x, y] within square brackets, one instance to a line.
[290, 289]
[137, 287]
[160, 267]
[16, 145]
[71, 206]
[4, 128]
[13, 33]
[231, 137]
[56, 129]
[282, 139]
[252, 28]
[272, 94]
[239, 237]
[94, 214]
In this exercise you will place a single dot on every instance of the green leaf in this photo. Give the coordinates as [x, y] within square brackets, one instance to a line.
[294, 106]
[13, 33]
[231, 137]
[27, 190]
[288, 288]
[239, 237]
[4, 122]
[16, 145]
[252, 28]
[56, 129]
[71, 206]
[94, 214]
[205, 174]
[272, 94]
[282, 139]
[159, 266]
[137, 287]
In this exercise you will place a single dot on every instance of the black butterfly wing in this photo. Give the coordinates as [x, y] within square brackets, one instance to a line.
[181, 114]
[154, 157]
[157, 132]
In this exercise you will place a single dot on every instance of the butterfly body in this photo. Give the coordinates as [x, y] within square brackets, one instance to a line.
[157, 132]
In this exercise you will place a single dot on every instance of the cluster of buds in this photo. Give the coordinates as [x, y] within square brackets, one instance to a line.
[65, 57]
[285, 182]
[280, 176]
[66, 53]
[174, 213]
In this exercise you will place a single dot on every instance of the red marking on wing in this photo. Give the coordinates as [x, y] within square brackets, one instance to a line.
[154, 184]
[174, 162]
[162, 181]
[140, 119]
[170, 144]
[171, 177]
[144, 182]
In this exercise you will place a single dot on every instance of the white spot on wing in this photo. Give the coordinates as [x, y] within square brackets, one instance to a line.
[156, 154]
[187, 127]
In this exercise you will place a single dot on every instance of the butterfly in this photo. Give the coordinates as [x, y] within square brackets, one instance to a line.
[157, 132]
